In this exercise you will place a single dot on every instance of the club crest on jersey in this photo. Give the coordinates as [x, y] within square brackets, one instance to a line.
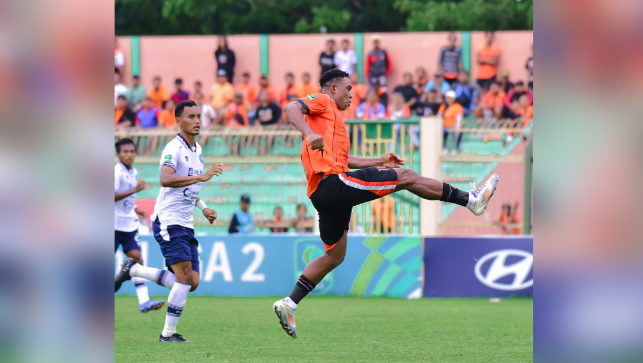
[201, 158]
[168, 158]
[311, 96]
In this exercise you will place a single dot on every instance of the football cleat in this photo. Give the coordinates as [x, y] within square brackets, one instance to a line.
[176, 337]
[286, 316]
[150, 305]
[123, 274]
[482, 195]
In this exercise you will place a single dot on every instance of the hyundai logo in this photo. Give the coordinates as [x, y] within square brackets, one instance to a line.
[499, 269]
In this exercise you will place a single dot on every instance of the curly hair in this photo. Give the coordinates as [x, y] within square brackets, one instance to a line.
[330, 76]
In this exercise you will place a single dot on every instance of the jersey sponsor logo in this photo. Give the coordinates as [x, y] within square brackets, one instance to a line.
[311, 96]
[201, 158]
[168, 158]
[190, 171]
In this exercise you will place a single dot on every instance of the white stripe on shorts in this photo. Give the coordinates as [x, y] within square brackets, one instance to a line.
[364, 187]
[164, 234]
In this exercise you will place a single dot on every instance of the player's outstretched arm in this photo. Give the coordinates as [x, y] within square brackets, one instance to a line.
[295, 113]
[169, 179]
[389, 160]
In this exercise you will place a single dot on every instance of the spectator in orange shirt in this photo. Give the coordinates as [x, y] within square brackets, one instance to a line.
[452, 114]
[167, 118]
[508, 216]
[237, 111]
[159, 94]
[358, 90]
[248, 89]
[420, 73]
[306, 87]
[526, 110]
[288, 90]
[384, 214]
[488, 56]
[490, 107]
[198, 95]
[264, 84]
[124, 116]
[221, 94]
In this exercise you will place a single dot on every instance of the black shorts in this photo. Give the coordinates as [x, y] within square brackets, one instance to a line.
[336, 196]
[485, 83]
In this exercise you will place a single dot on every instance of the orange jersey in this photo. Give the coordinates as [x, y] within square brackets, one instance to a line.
[486, 71]
[491, 100]
[167, 119]
[358, 91]
[325, 120]
[159, 96]
[271, 92]
[450, 114]
[249, 91]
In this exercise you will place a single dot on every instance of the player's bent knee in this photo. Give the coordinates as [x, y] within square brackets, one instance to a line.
[195, 284]
[405, 177]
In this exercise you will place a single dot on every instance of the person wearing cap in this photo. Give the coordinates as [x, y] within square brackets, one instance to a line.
[378, 65]
[242, 222]
[438, 84]
[450, 60]
[225, 58]
[159, 94]
[221, 93]
[505, 84]
[487, 58]
[327, 57]
[452, 114]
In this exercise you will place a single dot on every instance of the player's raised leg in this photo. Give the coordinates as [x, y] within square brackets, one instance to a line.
[145, 304]
[132, 269]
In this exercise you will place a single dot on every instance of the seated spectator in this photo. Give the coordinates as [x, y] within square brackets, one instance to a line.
[180, 94]
[358, 90]
[452, 115]
[119, 87]
[530, 69]
[490, 107]
[208, 116]
[384, 214]
[307, 87]
[268, 113]
[198, 96]
[124, 116]
[513, 96]
[221, 94]
[237, 111]
[327, 57]
[345, 58]
[429, 104]
[148, 116]
[507, 216]
[158, 94]
[119, 57]
[407, 90]
[303, 223]
[398, 110]
[420, 74]
[242, 222]
[505, 84]
[450, 60]
[371, 109]
[438, 84]
[265, 84]
[288, 90]
[167, 117]
[278, 217]
[248, 89]
[525, 110]
[135, 94]
[466, 92]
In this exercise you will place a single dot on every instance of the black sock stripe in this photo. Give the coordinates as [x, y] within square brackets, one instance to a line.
[159, 280]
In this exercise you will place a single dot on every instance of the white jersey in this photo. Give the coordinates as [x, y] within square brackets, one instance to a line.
[125, 218]
[176, 205]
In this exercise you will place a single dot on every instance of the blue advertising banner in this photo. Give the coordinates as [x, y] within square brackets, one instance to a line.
[478, 266]
[270, 265]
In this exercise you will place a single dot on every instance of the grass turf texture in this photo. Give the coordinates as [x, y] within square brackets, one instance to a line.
[331, 329]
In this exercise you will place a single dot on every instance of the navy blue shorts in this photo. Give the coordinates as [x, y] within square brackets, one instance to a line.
[177, 244]
[129, 240]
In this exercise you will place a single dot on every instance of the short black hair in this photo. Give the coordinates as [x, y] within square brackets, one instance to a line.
[198, 82]
[407, 74]
[289, 74]
[125, 141]
[346, 41]
[178, 110]
[332, 75]
[264, 77]
[246, 74]
[121, 97]
[155, 78]
[178, 81]
[136, 76]
[331, 40]
[116, 70]
[302, 205]
[305, 74]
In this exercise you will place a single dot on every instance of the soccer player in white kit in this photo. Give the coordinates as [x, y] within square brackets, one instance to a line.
[182, 172]
[126, 214]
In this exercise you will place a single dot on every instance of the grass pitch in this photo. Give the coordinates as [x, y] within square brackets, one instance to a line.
[331, 329]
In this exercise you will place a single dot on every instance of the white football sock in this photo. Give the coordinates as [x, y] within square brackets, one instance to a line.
[288, 301]
[161, 277]
[175, 305]
[141, 290]
[472, 201]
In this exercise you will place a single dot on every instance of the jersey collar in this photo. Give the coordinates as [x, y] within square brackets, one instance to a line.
[185, 143]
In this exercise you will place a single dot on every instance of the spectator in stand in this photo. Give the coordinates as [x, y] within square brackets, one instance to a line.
[148, 116]
[371, 109]
[506, 217]
[452, 115]
[505, 84]
[180, 94]
[490, 107]
[119, 58]
[450, 61]
[378, 65]
[237, 111]
[303, 223]
[159, 94]
[242, 222]
[345, 58]
[278, 217]
[488, 56]
[167, 117]
[268, 113]
[420, 73]
[384, 214]
[512, 98]
[248, 89]
[407, 90]
[225, 59]
[429, 104]
[288, 90]
[136, 93]
[221, 94]
[530, 69]
[265, 84]
[466, 93]
[208, 117]
[198, 95]
[438, 84]
[119, 87]
[327, 57]
[124, 116]
[358, 90]
[525, 110]
[307, 87]
[398, 109]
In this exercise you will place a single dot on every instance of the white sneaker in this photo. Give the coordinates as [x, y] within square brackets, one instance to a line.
[453, 152]
[286, 316]
[482, 195]
[445, 151]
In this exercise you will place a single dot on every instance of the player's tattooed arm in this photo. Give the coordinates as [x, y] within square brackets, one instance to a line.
[169, 179]
[295, 112]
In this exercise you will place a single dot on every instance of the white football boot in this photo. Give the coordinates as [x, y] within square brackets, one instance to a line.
[479, 198]
[286, 316]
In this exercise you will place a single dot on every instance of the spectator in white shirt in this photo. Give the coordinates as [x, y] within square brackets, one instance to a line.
[119, 87]
[345, 58]
[119, 57]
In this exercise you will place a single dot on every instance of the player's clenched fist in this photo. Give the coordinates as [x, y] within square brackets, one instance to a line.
[212, 171]
[316, 142]
[210, 214]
